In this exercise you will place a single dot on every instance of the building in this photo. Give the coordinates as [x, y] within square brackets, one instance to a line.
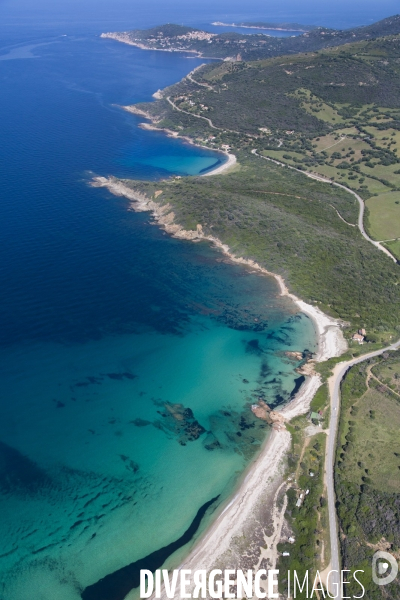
[358, 338]
[315, 416]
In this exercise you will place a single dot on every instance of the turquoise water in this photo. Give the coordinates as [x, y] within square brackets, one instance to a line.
[93, 446]
[128, 360]
[180, 164]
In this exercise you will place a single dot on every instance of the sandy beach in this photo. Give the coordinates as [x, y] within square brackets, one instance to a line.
[152, 127]
[255, 498]
[227, 165]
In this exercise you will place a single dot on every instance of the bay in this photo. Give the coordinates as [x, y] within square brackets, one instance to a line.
[129, 360]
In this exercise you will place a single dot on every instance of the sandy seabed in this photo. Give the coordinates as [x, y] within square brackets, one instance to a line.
[262, 481]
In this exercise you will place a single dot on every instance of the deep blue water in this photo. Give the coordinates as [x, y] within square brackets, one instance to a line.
[110, 330]
[129, 360]
[58, 122]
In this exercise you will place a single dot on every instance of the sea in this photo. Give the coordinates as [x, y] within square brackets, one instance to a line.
[129, 360]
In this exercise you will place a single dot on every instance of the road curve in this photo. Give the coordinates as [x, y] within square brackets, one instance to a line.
[334, 391]
[168, 98]
[360, 222]
[172, 103]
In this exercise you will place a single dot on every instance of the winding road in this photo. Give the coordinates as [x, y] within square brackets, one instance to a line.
[360, 222]
[211, 124]
[190, 77]
[168, 98]
[334, 393]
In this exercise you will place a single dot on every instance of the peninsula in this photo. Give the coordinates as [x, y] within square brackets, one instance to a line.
[314, 198]
[296, 27]
[237, 47]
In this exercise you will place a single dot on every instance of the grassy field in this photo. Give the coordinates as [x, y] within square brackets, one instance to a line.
[335, 112]
[289, 224]
[317, 107]
[384, 215]
[394, 248]
[376, 444]
[367, 470]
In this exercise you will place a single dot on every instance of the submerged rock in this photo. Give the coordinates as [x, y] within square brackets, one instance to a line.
[211, 442]
[140, 422]
[180, 421]
[296, 356]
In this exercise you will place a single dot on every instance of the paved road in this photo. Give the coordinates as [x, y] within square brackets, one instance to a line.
[359, 199]
[168, 98]
[334, 389]
[190, 77]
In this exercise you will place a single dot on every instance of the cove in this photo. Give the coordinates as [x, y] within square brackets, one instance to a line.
[129, 359]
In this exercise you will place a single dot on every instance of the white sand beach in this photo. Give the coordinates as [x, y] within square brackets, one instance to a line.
[224, 167]
[264, 475]
[152, 127]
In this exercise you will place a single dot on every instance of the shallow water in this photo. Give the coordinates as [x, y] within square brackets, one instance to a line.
[129, 360]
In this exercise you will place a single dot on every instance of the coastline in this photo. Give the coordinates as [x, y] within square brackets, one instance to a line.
[121, 37]
[331, 342]
[262, 480]
[175, 134]
[219, 24]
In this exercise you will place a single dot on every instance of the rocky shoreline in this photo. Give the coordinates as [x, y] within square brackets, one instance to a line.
[331, 340]
[175, 134]
[254, 511]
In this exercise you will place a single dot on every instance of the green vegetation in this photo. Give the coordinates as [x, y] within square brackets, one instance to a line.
[335, 113]
[309, 521]
[256, 46]
[288, 223]
[367, 467]
[384, 215]
[394, 248]
[320, 400]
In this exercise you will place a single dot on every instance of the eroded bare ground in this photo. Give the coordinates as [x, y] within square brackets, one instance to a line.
[256, 548]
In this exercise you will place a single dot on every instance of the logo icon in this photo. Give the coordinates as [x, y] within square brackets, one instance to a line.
[384, 568]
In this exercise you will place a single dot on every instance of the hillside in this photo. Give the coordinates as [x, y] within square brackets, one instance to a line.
[289, 225]
[335, 112]
[268, 25]
[367, 469]
[249, 47]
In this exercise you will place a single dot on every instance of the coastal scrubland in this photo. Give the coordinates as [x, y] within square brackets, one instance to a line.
[289, 224]
[367, 467]
[335, 112]
[307, 550]
[234, 45]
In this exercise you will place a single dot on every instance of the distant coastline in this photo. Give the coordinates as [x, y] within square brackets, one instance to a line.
[124, 38]
[265, 26]
[264, 479]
